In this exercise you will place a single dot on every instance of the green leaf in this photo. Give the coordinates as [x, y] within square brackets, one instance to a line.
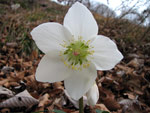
[58, 111]
[100, 111]
[37, 111]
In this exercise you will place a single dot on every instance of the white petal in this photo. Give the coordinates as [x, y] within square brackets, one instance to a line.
[80, 82]
[93, 95]
[76, 102]
[52, 69]
[80, 22]
[106, 54]
[49, 36]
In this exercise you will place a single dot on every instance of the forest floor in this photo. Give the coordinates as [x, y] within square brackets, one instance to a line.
[124, 89]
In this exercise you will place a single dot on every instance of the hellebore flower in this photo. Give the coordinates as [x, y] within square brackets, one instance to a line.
[74, 51]
[92, 95]
[90, 98]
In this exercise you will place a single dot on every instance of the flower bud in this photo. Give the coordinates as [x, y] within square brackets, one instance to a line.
[93, 95]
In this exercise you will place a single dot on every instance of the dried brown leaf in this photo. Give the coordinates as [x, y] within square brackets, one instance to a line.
[4, 92]
[130, 95]
[11, 44]
[108, 99]
[7, 69]
[5, 110]
[19, 100]
[136, 63]
[44, 100]
[130, 106]
[58, 85]
[101, 107]
[111, 103]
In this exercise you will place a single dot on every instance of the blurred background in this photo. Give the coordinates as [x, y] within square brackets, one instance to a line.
[126, 21]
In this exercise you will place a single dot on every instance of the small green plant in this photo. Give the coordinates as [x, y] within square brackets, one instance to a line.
[58, 111]
[36, 16]
[53, 11]
[27, 44]
[101, 111]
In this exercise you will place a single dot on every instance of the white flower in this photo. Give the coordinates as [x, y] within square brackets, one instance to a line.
[92, 95]
[74, 51]
[90, 98]
[15, 6]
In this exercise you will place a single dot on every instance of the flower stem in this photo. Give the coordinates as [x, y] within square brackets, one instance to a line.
[81, 110]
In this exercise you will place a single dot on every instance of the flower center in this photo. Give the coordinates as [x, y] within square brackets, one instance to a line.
[75, 54]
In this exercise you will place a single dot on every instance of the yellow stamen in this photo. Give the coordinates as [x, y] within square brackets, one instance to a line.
[73, 52]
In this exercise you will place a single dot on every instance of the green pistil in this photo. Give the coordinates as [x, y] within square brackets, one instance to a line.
[77, 52]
